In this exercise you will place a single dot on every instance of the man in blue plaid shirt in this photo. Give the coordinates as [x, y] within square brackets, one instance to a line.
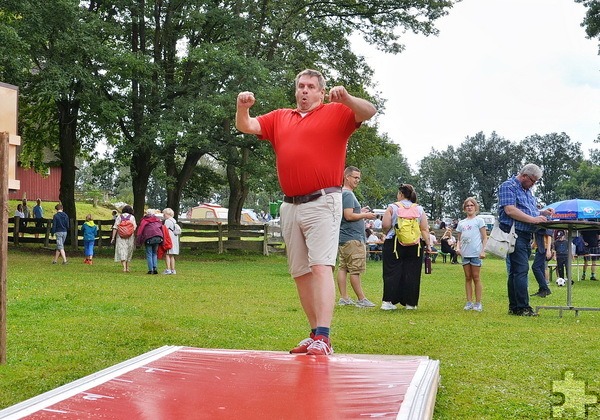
[517, 205]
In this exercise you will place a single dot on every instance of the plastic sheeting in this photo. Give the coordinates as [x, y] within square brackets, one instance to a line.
[190, 383]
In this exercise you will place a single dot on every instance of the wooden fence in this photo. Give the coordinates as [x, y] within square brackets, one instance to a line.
[218, 237]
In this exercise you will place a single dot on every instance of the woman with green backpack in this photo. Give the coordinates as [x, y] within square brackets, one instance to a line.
[406, 241]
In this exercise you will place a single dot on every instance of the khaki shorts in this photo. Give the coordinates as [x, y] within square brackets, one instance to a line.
[353, 257]
[311, 232]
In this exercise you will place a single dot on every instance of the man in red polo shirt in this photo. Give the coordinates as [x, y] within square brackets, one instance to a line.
[310, 146]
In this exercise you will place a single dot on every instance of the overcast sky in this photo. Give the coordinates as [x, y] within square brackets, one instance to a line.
[517, 67]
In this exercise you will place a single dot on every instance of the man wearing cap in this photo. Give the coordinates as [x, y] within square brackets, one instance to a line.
[310, 148]
[516, 204]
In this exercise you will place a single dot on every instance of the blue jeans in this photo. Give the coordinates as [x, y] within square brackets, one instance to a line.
[539, 264]
[518, 268]
[152, 256]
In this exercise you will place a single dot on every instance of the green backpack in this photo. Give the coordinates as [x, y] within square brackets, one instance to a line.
[407, 227]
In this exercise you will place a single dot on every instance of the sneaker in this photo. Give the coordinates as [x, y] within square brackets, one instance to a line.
[593, 278]
[540, 293]
[387, 306]
[345, 302]
[413, 308]
[149, 272]
[302, 346]
[478, 307]
[526, 312]
[154, 271]
[173, 272]
[65, 262]
[167, 272]
[365, 303]
[86, 261]
[548, 292]
[321, 346]
[53, 262]
[468, 306]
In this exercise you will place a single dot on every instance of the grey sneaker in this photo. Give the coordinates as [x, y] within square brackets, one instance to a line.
[478, 307]
[345, 302]
[468, 306]
[365, 303]
[411, 307]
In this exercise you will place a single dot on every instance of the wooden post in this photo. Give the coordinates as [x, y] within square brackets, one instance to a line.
[220, 230]
[266, 239]
[4, 240]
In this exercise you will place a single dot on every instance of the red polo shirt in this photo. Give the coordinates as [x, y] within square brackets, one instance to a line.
[310, 150]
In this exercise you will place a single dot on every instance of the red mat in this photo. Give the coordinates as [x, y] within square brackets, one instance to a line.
[191, 383]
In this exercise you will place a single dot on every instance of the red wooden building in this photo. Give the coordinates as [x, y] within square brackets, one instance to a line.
[34, 185]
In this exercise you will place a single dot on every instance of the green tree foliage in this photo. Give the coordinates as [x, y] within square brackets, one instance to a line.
[380, 176]
[475, 169]
[591, 21]
[557, 155]
[484, 163]
[48, 53]
[435, 175]
[581, 182]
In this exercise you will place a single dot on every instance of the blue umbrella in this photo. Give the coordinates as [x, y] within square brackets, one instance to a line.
[576, 209]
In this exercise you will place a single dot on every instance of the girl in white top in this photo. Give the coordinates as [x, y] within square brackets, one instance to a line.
[470, 246]
[170, 222]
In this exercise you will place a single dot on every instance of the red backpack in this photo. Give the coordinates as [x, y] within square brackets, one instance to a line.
[125, 228]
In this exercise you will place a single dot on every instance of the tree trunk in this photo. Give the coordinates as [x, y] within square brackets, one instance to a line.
[181, 177]
[238, 185]
[68, 113]
[140, 174]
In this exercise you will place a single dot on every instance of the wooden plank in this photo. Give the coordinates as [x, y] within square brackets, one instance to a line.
[3, 240]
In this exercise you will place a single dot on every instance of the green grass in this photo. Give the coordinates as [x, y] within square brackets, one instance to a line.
[65, 322]
[98, 213]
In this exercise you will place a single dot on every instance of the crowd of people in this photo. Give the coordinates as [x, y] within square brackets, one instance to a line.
[159, 235]
[324, 225]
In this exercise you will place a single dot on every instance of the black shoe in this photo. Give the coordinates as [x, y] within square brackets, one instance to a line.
[149, 272]
[539, 293]
[154, 271]
[548, 292]
[526, 312]
[593, 278]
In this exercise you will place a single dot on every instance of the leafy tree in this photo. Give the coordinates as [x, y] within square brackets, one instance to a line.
[484, 163]
[557, 155]
[47, 54]
[591, 21]
[435, 176]
[580, 182]
[380, 176]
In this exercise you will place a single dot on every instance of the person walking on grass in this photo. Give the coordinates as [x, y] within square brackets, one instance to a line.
[60, 227]
[89, 231]
[352, 250]
[472, 238]
[123, 237]
[310, 147]
[150, 234]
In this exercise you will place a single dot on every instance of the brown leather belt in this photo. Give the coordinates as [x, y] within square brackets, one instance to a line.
[301, 199]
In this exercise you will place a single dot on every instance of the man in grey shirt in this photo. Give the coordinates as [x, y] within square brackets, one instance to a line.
[352, 251]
